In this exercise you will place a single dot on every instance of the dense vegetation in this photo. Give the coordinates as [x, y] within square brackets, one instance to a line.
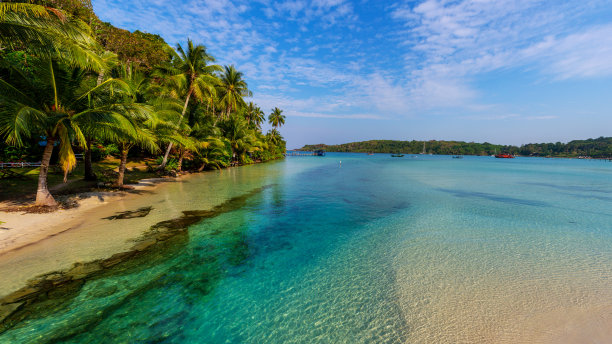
[595, 148]
[70, 83]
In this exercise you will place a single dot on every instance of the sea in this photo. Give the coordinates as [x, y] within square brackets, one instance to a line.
[357, 248]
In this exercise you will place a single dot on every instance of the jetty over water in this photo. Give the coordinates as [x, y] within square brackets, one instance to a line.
[305, 153]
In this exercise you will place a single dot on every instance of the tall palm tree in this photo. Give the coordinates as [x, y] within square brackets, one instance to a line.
[258, 117]
[254, 115]
[232, 89]
[48, 32]
[191, 76]
[141, 134]
[276, 118]
[52, 101]
[110, 61]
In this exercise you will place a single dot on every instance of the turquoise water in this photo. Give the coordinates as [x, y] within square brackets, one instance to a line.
[374, 249]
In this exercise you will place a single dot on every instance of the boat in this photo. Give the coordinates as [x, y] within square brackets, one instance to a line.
[370, 153]
[398, 155]
[458, 157]
[504, 156]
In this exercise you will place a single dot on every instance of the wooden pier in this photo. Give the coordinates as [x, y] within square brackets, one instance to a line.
[305, 153]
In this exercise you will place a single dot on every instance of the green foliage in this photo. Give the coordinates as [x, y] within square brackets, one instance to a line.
[143, 49]
[99, 151]
[596, 148]
[80, 82]
[171, 165]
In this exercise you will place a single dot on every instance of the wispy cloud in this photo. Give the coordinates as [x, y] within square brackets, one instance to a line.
[460, 40]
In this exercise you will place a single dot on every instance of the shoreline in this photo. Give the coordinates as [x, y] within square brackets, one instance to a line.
[104, 224]
[43, 243]
[21, 229]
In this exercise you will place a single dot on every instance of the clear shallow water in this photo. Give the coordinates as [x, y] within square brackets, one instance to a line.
[379, 249]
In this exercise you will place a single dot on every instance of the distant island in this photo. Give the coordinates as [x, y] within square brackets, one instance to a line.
[595, 148]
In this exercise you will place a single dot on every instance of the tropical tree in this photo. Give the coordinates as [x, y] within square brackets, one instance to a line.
[189, 75]
[258, 117]
[232, 89]
[254, 115]
[141, 133]
[52, 101]
[242, 139]
[48, 32]
[110, 61]
[276, 118]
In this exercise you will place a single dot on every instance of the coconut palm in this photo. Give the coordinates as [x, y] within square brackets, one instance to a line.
[141, 134]
[53, 101]
[242, 140]
[213, 152]
[189, 76]
[273, 136]
[254, 115]
[258, 117]
[48, 32]
[232, 89]
[110, 61]
[276, 118]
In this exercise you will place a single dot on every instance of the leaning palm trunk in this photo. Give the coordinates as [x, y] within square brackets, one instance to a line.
[124, 153]
[180, 160]
[165, 160]
[43, 196]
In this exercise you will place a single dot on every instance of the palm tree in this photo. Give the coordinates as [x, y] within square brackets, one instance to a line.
[254, 115]
[276, 118]
[273, 136]
[53, 101]
[48, 32]
[189, 75]
[242, 140]
[110, 61]
[232, 89]
[141, 134]
[258, 117]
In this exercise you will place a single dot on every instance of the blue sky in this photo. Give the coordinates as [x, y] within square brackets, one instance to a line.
[502, 71]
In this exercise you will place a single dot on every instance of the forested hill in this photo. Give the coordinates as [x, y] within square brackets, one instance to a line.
[596, 148]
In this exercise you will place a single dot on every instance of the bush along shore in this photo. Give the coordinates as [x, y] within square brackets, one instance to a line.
[75, 91]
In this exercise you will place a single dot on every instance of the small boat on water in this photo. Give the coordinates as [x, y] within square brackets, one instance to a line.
[398, 155]
[458, 157]
[370, 153]
[504, 156]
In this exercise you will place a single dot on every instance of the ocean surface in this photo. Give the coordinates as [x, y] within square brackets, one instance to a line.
[351, 248]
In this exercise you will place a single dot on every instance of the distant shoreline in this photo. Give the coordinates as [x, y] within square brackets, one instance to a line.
[599, 148]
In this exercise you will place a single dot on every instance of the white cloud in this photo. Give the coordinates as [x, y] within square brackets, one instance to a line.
[460, 40]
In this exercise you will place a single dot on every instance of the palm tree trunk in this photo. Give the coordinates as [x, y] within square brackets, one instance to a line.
[165, 160]
[100, 78]
[43, 196]
[180, 161]
[202, 167]
[124, 154]
[89, 173]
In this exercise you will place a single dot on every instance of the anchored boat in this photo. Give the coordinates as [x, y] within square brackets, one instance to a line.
[504, 156]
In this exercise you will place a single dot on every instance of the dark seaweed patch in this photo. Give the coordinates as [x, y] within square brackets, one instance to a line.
[140, 212]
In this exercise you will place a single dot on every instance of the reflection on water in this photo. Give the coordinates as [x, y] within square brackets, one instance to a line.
[381, 250]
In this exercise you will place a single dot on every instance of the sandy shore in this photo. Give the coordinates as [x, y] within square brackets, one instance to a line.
[34, 244]
[21, 229]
